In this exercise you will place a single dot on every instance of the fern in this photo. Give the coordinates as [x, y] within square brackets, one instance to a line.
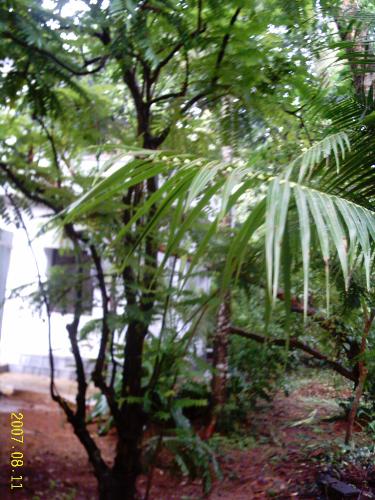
[193, 457]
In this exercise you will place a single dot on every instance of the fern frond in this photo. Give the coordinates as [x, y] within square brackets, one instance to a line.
[341, 225]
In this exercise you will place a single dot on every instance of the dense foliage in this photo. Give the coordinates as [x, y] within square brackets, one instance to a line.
[216, 173]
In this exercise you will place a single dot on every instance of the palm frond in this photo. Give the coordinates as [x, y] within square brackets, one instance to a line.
[333, 144]
[341, 225]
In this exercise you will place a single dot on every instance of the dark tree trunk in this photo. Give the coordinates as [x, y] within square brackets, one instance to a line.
[358, 43]
[369, 318]
[220, 362]
[128, 464]
[113, 486]
[221, 339]
[220, 354]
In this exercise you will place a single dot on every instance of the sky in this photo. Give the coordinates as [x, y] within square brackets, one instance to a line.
[72, 7]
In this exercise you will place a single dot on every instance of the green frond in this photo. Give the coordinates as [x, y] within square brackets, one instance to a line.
[339, 223]
[336, 144]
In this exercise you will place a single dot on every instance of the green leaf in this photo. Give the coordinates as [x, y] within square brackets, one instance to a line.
[304, 226]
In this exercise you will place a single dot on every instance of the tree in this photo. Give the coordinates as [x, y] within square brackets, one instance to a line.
[165, 59]
[130, 75]
[332, 206]
[220, 344]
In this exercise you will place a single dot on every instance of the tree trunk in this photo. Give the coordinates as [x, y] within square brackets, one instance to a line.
[221, 339]
[128, 464]
[220, 354]
[116, 487]
[363, 73]
[220, 364]
[362, 377]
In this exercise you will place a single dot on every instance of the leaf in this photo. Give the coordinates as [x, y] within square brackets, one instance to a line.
[323, 236]
[320, 150]
[304, 227]
[238, 247]
[276, 215]
[308, 420]
[129, 175]
[200, 182]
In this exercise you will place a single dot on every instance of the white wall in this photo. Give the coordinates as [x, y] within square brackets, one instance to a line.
[24, 330]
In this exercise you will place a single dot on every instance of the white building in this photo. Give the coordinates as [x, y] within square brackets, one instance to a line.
[24, 328]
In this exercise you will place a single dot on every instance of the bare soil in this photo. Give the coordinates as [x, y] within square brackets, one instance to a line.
[294, 434]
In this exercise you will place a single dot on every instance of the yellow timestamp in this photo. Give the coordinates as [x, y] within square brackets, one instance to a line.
[16, 456]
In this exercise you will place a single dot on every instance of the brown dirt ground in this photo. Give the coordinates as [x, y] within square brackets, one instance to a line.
[282, 464]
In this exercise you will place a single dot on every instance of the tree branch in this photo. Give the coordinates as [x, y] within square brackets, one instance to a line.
[97, 374]
[295, 344]
[55, 59]
[35, 196]
[55, 155]
[199, 17]
[76, 419]
[224, 45]
[200, 29]
[181, 93]
[72, 328]
[219, 60]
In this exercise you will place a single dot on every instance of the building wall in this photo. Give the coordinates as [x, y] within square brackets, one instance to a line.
[5, 249]
[24, 330]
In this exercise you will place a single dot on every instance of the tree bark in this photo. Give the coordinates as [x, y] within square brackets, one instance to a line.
[358, 45]
[221, 337]
[362, 377]
[128, 465]
[220, 358]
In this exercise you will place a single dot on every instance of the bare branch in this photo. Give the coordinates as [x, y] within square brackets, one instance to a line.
[199, 19]
[181, 93]
[295, 344]
[36, 195]
[224, 45]
[97, 375]
[51, 140]
[219, 60]
[155, 74]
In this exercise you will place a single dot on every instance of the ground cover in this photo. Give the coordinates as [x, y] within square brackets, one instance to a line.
[290, 440]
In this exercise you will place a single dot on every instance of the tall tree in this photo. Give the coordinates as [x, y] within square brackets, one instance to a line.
[327, 191]
[220, 341]
[167, 59]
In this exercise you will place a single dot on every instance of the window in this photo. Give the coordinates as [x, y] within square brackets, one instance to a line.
[65, 277]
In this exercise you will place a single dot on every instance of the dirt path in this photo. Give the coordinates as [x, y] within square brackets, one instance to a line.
[293, 436]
